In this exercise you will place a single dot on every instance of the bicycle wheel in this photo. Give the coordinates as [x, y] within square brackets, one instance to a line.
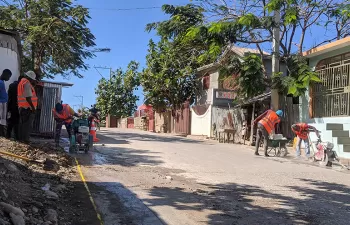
[282, 152]
[272, 151]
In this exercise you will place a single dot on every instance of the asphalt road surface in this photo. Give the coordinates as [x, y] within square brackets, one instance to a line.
[139, 177]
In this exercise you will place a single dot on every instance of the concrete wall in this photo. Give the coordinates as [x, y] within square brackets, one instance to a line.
[206, 96]
[123, 123]
[140, 123]
[201, 124]
[163, 122]
[9, 57]
[226, 118]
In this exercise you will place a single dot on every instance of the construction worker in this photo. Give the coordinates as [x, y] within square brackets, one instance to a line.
[302, 131]
[94, 115]
[27, 104]
[63, 115]
[12, 110]
[266, 126]
[5, 76]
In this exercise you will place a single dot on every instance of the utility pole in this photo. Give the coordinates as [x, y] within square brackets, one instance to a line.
[275, 57]
[74, 106]
[105, 68]
[82, 100]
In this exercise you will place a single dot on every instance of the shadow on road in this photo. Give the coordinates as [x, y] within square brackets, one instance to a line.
[109, 136]
[321, 203]
[127, 157]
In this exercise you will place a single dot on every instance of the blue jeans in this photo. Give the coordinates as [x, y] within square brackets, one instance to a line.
[307, 147]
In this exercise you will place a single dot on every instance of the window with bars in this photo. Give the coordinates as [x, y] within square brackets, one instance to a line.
[331, 96]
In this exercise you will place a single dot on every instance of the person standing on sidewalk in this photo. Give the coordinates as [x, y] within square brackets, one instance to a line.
[5, 76]
[12, 110]
[302, 131]
[266, 126]
[27, 104]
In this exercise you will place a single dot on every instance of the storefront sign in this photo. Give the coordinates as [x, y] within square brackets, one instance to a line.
[225, 95]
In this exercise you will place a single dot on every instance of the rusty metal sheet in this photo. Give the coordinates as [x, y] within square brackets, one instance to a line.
[183, 120]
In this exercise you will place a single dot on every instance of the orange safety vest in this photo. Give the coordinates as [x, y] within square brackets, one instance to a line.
[65, 115]
[22, 101]
[269, 121]
[302, 132]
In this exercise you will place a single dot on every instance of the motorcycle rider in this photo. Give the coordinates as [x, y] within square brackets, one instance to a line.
[302, 131]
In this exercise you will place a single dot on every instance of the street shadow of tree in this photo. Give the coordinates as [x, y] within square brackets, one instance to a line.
[142, 136]
[112, 140]
[246, 204]
[127, 157]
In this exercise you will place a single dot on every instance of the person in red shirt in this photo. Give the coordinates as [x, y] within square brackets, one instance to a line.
[266, 126]
[302, 130]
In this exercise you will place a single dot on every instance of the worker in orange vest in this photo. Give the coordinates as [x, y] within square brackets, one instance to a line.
[302, 130]
[63, 115]
[266, 126]
[27, 104]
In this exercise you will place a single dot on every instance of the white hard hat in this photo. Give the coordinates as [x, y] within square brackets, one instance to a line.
[31, 75]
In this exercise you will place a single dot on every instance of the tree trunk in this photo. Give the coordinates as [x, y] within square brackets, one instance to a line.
[302, 41]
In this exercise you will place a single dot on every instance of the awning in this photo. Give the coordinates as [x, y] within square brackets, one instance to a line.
[258, 98]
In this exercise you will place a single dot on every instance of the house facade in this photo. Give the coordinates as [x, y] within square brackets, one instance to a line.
[213, 109]
[326, 105]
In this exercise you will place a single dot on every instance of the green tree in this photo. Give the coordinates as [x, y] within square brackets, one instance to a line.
[115, 96]
[169, 78]
[54, 33]
[251, 80]
[236, 22]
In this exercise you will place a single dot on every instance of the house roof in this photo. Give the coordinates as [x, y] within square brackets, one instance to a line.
[258, 98]
[6, 31]
[240, 51]
[64, 84]
[335, 45]
[207, 67]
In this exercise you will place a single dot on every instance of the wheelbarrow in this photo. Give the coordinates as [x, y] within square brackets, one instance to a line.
[277, 145]
[81, 140]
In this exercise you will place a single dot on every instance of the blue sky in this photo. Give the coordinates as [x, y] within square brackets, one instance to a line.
[123, 32]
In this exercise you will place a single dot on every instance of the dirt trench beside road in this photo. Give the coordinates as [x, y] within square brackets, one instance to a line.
[35, 195]
[143, 178]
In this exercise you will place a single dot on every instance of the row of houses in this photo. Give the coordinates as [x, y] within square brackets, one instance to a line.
[326, 105]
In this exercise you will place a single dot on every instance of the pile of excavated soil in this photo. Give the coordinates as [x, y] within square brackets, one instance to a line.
[31, 194]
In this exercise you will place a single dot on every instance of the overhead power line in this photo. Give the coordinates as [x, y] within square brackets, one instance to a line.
[99, 72]
[126, 9]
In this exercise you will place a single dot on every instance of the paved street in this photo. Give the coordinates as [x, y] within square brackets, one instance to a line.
[143, 178]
